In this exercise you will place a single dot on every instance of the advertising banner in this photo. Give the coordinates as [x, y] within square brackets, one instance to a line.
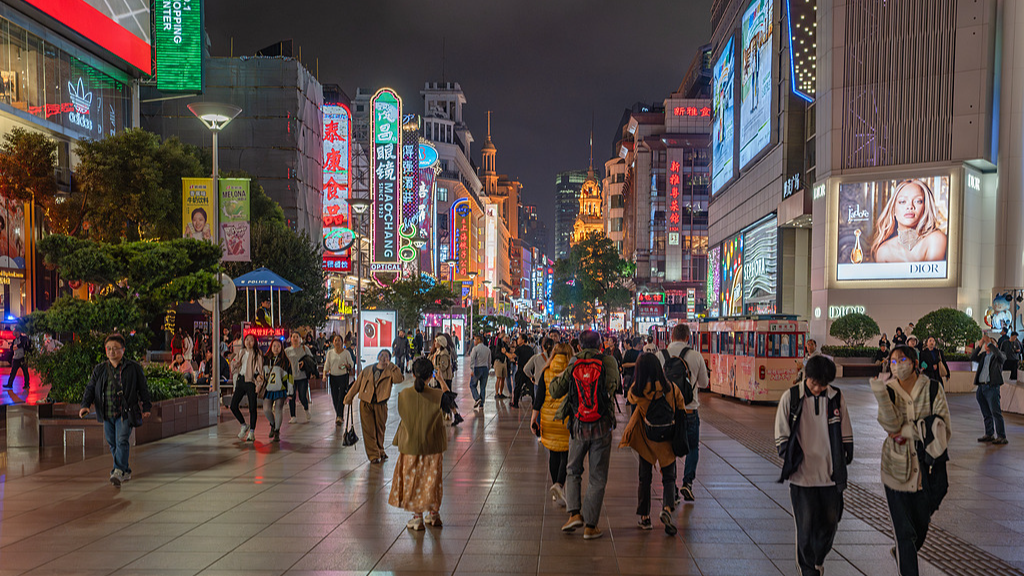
[893, 229]
[724, 98]
[461, 234]
[426, 216]
[760, 261]
[198, 215]
[178, 45]
[386, 176]
[732, 276]
[12, 243]
[234, 219]
[378, 332]
[714, 287]
[756, 85]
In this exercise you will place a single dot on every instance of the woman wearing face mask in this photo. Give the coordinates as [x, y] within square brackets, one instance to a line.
[905, 402]
[278, 373]
[249, 366]
[374, 389]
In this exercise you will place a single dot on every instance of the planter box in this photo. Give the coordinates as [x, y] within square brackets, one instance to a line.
[1011, 398]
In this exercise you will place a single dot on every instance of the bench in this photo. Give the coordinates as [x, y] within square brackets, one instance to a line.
[861, 370]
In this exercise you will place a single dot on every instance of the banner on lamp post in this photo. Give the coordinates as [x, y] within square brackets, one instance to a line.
[234, 219]
[198, 214]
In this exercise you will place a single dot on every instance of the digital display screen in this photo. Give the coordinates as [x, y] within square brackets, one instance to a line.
[756, 84]
[732, 276]
[722, 127]
[178, 45]
[714, 285]
[893, 229]
[760, 261]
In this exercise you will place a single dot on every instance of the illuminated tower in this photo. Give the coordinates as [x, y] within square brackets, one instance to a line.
[591, 203]
[489, 174]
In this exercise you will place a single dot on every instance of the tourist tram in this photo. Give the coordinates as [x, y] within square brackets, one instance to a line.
[752, 358]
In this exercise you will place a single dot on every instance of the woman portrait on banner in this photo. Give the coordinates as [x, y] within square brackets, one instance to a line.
[198, 228]
[910, 227]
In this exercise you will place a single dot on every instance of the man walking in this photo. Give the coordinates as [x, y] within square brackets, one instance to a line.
[524, 353]
[400, 348]
[117, 387]
[589, 385]
[480, 364]
[1011, 352]
[19, 345]
[698, 373]
[417, 343]
[988, 379]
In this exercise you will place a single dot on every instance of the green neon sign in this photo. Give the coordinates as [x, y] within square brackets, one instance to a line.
[178, 44]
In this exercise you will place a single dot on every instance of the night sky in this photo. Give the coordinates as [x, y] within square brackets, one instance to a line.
[542, 66]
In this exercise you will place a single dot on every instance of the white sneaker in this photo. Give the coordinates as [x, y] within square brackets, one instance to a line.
[292, 420]
[251, 437]
[558, 494]
[245, 428]
[116, 477]
[308, 417]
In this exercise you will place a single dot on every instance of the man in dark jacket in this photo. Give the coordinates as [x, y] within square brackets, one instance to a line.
[987, 381]
[116, 388]
[417, 343]
[1011, 352]
[400, 348]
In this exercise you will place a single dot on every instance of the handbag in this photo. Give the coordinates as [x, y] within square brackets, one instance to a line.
[943, 372]
[680, 437]
[349, 438]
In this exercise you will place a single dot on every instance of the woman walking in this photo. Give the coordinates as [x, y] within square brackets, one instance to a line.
[440, 357]
[249, 367]
[373, 386]
[278, 373]
[651, 385]
[553, 433]
[295, 353]
[912, 409]
[338, 366]
[421, 440]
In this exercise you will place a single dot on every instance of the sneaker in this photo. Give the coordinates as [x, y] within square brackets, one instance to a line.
[1000, 441]
[478, 404]
[271, 434]
[125, 476]
[415, 524]
[292, 420]
[575, 521]
[666, 519]
[433, 519]
[986, 438]
[645, 523]
[308, 417]
[251, 437]
[116, 477]
[337, 422]
[458, 419]
[553, 491]
[592, 533]
[245, 429]
[687, 492]
[277, 435]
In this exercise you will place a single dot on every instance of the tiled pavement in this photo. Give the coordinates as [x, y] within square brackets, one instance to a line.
[203, 504]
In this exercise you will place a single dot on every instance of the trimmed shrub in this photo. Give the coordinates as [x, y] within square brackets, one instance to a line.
[854, 329]
[951, 328]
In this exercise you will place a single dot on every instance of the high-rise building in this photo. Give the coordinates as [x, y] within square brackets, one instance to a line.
[567, 207]
[532, 228]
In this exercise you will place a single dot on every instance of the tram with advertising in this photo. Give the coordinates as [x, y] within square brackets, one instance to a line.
[753, 358]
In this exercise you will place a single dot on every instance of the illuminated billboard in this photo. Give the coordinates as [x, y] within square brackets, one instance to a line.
[756, 84]
[178, 45]
[893, 229]
[461, 234]
[722, 127]
[760, 262]
[714, 284]
[386, 177]
[732, 276]
[337, 162]
[121, 27]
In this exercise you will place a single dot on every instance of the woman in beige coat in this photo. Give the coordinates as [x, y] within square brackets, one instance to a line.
[650, 384]
[373, 387]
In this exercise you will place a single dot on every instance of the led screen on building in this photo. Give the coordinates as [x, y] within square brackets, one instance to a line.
[178, 45]
[722, 128]
[386, 175]
[122, 27]
[893, 229]
[732, 276]
[714, 286]
[760, 261]
[756, 84]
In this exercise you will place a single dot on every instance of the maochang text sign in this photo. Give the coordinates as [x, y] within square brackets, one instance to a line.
[386, 177]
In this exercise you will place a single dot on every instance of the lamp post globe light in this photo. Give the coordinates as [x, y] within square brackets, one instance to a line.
[360, 206]
[215, 116]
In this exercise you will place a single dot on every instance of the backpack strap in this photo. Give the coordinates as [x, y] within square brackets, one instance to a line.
[665, 355]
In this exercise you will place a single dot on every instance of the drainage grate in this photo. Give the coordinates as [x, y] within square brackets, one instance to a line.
[943, 549]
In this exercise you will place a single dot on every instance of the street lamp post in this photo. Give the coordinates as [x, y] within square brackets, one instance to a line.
[215, 116]
[360, 206]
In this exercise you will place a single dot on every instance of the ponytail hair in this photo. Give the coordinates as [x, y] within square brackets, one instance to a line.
[422, 369]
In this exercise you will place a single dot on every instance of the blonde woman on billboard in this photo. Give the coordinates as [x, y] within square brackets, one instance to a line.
[908, 228]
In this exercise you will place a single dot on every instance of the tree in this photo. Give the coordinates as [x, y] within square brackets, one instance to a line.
[592, 272]
[950, 327]
[130, 186]
[854, 329]
[410, 298]
[28, 163]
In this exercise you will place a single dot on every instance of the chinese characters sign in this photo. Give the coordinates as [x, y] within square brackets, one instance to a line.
[703, 111]
[461, 235]
[651, 304]
[673, 203]
[199, 217]
[234, 218]
[337, 162]
[386, 177]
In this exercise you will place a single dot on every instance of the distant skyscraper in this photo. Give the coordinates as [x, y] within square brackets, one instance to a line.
[532, 229]
[567, 207]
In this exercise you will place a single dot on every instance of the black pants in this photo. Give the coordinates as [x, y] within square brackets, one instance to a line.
[643, 492]
[522, 387]
[911, 514]
[817, 512]
[1009, 364]
[302, 391]
[247, 390]
[339, 387]
[18, 363]
[557, 463]
[400, 360]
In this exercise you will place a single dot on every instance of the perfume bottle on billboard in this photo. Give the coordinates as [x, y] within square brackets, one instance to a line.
[857, 256]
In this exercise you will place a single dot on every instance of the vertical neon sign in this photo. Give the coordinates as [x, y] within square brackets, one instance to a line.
[386, 178]
[461, 235]
[673, 203]
[336, 186]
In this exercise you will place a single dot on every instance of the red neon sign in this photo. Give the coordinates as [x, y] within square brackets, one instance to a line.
[673, 197]
[703, 112]
[264, 332]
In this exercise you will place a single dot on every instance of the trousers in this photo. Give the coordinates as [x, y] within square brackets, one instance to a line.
[373, 417]
[339, 387]
[302, 391]
[116, 433]
[668, 487]
[599, 449]
[911, 515]
[816, 511]
[557, 464]
[244, 390]
[991, 410]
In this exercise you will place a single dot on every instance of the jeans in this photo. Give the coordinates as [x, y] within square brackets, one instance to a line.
[817, 512]
[557, 464]
[401, 360]
[248, 390]
[911, 514]
[302, 391]
[991, 411]
[668, 487]
[117, 433]
[599, 449]
[693, 438]
[478, 386]
[16, 364]
[339, 387]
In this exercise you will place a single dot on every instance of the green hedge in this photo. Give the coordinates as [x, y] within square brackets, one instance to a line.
[165, 383]
[849, 351]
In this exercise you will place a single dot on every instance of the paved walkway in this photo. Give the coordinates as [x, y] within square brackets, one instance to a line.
[201, 503]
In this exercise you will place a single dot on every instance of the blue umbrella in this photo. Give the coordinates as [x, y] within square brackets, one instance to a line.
[264, 279]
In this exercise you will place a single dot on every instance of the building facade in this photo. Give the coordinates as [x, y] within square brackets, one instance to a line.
[590, 218]
[567, 207]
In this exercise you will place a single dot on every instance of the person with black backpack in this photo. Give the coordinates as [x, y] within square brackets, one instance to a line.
[588, 384]
[650, 432]
[685, 368]
[814, 436]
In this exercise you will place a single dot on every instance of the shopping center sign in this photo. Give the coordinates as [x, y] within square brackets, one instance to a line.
[178, 45]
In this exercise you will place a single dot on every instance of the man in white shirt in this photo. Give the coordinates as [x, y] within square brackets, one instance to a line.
[698, 379]
[480, 364]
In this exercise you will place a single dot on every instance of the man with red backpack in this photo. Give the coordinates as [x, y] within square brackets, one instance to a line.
[588, 385]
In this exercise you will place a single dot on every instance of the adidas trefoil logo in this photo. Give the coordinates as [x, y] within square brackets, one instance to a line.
[81, 99]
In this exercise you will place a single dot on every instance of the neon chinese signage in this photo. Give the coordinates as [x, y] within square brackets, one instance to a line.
[673, 203]
[702, 112]
[461, 234]
[337, 161]
[386, 178]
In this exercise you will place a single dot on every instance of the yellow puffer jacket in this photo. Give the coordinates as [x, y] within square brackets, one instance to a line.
[553, 433]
